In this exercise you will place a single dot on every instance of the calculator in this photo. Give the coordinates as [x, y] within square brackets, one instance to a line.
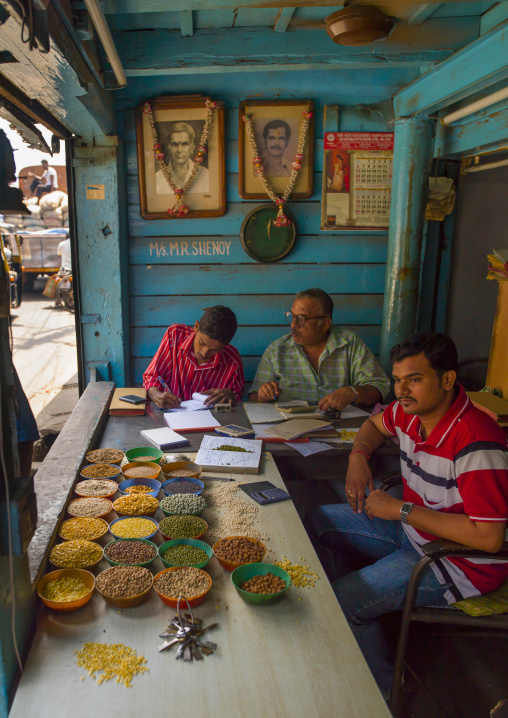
[264, 492]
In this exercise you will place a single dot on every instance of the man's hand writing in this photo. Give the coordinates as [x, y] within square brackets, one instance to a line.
[338, 399]
[216, 396]
[269, 391]
[165, 400]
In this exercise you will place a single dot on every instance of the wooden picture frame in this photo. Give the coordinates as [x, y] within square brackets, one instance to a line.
[206, 197]
[285, 114]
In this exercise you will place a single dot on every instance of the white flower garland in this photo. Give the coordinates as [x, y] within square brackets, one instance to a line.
[282, 220]
[179, 209]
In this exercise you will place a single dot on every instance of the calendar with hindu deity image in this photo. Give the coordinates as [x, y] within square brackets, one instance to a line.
[357, 180]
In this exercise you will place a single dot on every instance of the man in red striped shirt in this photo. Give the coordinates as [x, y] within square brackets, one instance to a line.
[454, 465]
[197, 359]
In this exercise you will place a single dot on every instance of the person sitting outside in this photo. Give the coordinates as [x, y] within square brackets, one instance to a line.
[197, 359]
[325, 365]
[454, 462]
[47, 182]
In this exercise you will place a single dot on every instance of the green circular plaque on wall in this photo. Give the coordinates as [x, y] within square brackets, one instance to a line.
[262, 239]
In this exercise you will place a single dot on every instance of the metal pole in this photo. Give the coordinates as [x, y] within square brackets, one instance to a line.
[411, 164]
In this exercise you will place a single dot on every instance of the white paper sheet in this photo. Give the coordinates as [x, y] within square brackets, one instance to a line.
[194, 404]
[309, 448]
[352, 412]
[259, 430]
[209, 458]
[185, 420]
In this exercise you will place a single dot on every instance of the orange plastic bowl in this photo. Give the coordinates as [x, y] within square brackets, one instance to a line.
[85, 576]
[78, 489]
[173, 602]
[193, 470]
[94, 457]
[128, 601]
[75, 502]
[231, 565]
[155, 468]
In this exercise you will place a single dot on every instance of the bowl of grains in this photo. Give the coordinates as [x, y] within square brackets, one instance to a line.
[182, 485]
[124, 586]
[144, 453]
[83, 528]
[141, 470]
[136, 505]
[91, 506]
[107, 456]
[131, 552]
[185, 552]
[193, 583]
[96, 487]
[66, 589]
[148, 487]
[183, 527]
[100, 471]
[135, 527]
[76, 554]
[260, 583]
[183, 505]
[182, 468]
[234, 551]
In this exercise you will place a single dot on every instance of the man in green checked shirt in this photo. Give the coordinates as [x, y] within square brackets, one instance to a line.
[318, 362]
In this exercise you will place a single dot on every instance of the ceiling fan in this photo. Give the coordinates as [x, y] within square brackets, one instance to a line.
[359, 24]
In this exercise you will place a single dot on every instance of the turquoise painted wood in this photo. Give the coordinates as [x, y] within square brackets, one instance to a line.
[255, 279]
[220, 250]
[472, 69]
[159, 310]
[485, 130]
[250, 341]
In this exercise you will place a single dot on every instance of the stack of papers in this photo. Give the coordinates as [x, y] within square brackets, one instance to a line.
[164, 438]
[294, 428]
[262, 413]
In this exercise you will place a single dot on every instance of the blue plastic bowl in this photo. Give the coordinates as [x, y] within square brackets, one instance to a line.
[115, 471]
[153, 483]
[166, 486]
[125, 518]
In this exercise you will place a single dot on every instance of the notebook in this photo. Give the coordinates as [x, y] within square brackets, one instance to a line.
[122, 408]
[295, 428]
[164, 438]
[194, 404]
[191, 420]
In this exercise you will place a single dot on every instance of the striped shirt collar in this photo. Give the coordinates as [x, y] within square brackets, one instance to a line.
[188, 351]
[447, 422]
[336, 340]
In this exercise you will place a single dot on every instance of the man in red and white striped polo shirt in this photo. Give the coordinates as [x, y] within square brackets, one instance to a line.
[454, 462]
[197, 359]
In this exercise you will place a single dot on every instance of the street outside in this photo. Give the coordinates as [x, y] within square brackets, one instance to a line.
[44, 354]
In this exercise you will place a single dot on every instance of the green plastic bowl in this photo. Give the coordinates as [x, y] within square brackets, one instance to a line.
[132, 454]
[187, 542]
[249, 570]
[119, 563]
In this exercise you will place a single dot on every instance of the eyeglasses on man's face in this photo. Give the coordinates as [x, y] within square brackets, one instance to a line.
[301, 318]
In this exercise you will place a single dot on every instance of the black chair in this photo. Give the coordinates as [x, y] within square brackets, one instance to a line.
[434, 550]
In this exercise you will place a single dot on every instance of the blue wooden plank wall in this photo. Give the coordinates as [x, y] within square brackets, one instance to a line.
[179, 267]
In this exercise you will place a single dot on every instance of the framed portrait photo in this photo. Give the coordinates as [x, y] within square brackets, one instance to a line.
[179, 123]
[277, 125]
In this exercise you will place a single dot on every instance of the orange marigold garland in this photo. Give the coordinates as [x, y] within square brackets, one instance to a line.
[179, 209]
[282, 219]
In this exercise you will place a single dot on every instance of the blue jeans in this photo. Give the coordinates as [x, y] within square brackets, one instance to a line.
[369, 563]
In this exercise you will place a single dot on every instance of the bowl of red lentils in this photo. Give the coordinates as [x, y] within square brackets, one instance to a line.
[66, 589]
[260, 583]
[193, 583]
[107, 456]
[234, 551]
[141, 470]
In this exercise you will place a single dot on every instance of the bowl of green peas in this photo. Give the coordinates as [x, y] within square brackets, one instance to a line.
[185, 552]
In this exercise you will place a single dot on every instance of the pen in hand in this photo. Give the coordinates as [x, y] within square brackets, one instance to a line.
[164, 385]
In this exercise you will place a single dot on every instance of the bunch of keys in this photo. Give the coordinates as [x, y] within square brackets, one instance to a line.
[186, 630]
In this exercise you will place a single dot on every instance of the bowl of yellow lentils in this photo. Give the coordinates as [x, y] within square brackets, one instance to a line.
[66, 589]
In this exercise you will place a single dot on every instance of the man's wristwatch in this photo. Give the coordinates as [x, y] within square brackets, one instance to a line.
[405, 510]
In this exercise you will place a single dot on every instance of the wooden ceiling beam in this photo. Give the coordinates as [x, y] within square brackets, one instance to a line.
[422, 13]
[186, 23]
[283, 19]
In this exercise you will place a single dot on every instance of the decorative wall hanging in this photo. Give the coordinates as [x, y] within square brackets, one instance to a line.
[357, 180]
[263, 239]
[276, 149]
[180, 143]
